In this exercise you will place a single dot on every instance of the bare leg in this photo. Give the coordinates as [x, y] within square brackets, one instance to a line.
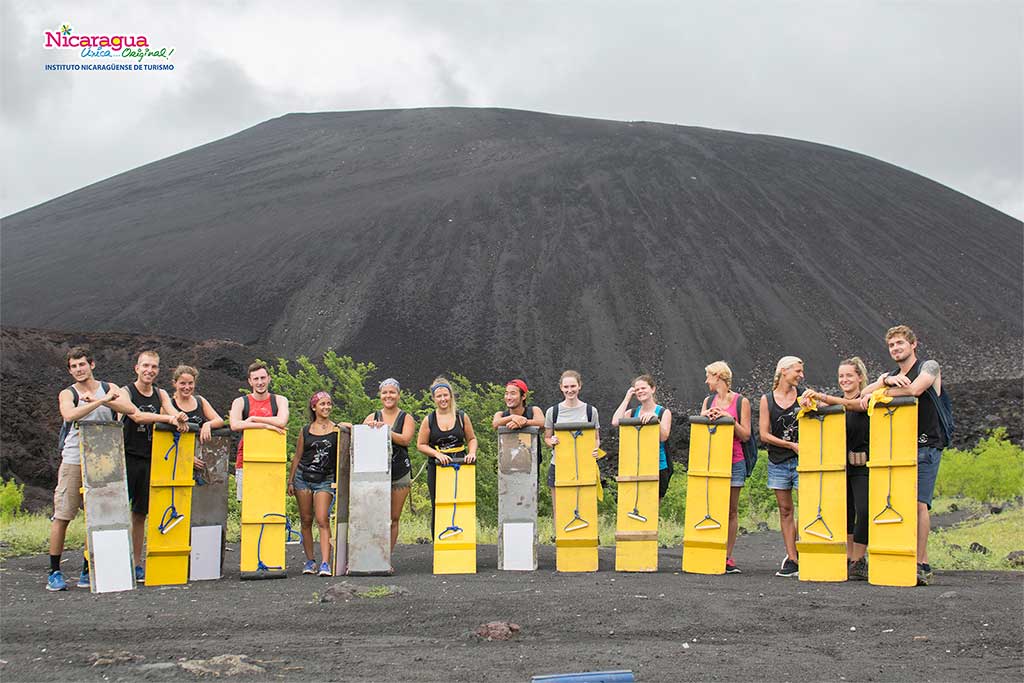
[398, 497]
[138, 536]
[924, 527]
[787, 521]
[58, 530]
[322, 503]
[858, 552]
[305, 501]
[734, 518]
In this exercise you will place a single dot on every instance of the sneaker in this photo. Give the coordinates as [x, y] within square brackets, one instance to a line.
[730, 566]
[83, 581]
[858, 570]
[788, 568]
[325, 569]
[55, 581]
[924, 574]
[140, 575]
[309, 567]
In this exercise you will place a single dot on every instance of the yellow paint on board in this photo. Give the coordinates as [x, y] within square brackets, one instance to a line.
[168, 525]
[707, 496]
[636, 538]
[263, 501]
[455, 520]
[892, 494]
[576, 477]
[822, 511]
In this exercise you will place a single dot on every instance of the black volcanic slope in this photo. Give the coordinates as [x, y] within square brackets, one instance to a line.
[496, 241]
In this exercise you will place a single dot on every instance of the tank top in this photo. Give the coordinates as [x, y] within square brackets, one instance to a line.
[858, 434]
[400, 463]
[662, 455]
[929, 429]
[256, 409]
[138, 438]
[783, 424]
[196, 416]
[450, 440]
[319, 459]
[733, 409]
[72, 451]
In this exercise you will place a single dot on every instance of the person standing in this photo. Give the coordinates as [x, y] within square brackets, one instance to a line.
[258, 410]
[778, 431]
[518, 414]
[403, 428]
[572, 409]
[648, 410]
[311, 479]
[197, 410]
[87, 400]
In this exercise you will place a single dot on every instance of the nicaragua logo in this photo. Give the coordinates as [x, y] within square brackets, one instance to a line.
[125, 46]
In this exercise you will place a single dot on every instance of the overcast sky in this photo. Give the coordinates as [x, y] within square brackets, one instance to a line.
[934, 87]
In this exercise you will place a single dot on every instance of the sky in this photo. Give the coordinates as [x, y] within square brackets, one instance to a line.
[934, 87]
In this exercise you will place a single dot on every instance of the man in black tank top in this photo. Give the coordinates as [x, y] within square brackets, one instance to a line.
[923, 380]
[518, 414]
[153, 405]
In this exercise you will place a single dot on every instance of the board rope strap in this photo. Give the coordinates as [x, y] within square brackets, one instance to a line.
[452, 529]
[821, 478]
[171, 518]
[708, 522]
[577, 522]
[877, 519]
[635, 512]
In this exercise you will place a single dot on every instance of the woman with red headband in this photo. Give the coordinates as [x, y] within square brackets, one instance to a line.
[312, 477]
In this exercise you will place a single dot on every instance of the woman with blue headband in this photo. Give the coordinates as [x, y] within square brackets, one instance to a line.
[403, 426]
[446, 433]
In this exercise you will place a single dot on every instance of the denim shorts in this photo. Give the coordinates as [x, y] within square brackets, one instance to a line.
[928, 460]
[303, 485]
[783, 476]
[739, 473]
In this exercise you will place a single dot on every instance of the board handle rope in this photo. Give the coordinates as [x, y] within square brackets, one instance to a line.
[260, 566]
[452, 529]
[708, 522]
[821, 479]
[877, 519]
[577, 522]
[635, 512]
[171, 518]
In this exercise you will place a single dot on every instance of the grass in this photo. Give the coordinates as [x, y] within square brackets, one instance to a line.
[28, 534]
[1001, 534]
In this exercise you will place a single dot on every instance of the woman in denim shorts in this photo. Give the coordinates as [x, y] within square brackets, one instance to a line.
[778, 431]
[721, 402]
[312, 475]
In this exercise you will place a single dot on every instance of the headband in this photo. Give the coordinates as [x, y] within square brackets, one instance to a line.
[439, 385]
[317, 397]
[389, 382]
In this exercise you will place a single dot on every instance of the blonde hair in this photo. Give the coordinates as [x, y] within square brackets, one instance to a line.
[571, 373]
[858, 365]
[785, 363]
[721, 370]
[185, 370]
[901, 331]
[446, 385]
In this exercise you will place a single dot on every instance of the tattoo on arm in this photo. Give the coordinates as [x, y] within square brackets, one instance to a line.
[930, 367]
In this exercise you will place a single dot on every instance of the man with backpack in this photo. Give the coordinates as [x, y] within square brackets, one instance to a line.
[87, 400]
[258, 410]
[922, 379]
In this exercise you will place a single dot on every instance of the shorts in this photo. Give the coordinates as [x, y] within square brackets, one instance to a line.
[783, 477]
[739, 474]
[928, 460]
[403, 482]
[551, 473]
[137, 470]
[327, 485]
[67, 497]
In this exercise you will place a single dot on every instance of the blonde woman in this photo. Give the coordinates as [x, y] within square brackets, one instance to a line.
[197, 409]
[778, 431]
[853, 378]
[447, 432]
[403, 427]
[723, 401]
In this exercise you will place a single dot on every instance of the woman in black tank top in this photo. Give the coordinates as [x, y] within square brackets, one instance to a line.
[447, 432]
[200, 413]
[403, 427]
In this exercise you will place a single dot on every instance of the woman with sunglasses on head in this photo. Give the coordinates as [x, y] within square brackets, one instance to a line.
[403, 427]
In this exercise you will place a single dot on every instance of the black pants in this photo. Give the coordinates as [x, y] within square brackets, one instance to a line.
[432, 490]
[857, 504]
[137, 471]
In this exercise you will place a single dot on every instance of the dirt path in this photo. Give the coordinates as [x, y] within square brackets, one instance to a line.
[665, 626]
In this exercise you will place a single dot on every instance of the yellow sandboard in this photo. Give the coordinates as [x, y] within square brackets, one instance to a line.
[822, 512]
[892, 494]
[575, 498]
[455, 519]
[263, 504]
[707, 495]
[636, 534]
[169, 525]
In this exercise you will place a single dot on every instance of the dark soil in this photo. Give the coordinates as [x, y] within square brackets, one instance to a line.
[666, 626]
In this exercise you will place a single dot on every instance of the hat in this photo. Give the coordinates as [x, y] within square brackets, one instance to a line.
[518, 384]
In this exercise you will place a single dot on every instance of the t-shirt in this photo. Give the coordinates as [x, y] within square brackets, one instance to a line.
[575, 414]
[256, 409]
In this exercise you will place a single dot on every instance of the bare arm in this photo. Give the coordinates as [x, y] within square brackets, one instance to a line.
[765, 430]
[929, 375]
[145, 418]
[704, 407]
[423, 444]
[743, 424]
[665, 428]
[620, 412]
[238, 424]
[280, 420]
[404, 438]
[471, 443]
[296, 459]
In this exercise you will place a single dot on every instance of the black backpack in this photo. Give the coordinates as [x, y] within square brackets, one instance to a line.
[65, 427]
[750, 453]
[554, 413]
[245, 406]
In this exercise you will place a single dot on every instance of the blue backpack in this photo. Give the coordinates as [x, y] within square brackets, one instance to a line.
[750, 453]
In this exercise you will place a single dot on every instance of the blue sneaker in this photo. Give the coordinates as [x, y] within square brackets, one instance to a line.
[325, 569]
[140, 575]
[55, 582]
[309, 567]
[83, 581]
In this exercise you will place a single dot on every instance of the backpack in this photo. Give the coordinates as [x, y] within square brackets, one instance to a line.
[664, 444]
[245, 406]
[65, 427]
[944, 409]
[554, 413]
[749, 446]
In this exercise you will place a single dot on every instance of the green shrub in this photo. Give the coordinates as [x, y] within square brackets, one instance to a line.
[991, 472]
[12, 495]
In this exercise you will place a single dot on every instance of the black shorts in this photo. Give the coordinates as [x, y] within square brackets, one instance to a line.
[663, 477]
[138, 484]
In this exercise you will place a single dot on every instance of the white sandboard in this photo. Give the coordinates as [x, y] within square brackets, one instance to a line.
[517, 498]
[369, 513]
